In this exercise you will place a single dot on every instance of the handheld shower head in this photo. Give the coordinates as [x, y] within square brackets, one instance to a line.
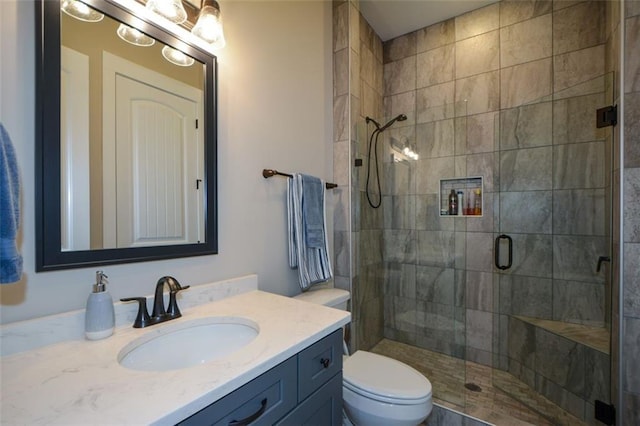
[400, 117]
[379, 128]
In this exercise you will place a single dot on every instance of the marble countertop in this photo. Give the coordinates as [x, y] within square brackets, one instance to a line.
[81, 382]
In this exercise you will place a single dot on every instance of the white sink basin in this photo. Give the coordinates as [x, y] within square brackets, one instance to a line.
[188, 343]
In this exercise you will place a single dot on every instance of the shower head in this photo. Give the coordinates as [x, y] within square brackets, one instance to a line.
[379, 128]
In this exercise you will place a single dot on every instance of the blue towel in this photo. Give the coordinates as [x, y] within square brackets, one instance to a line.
[10, 259]
[313, 210]
[312, 263]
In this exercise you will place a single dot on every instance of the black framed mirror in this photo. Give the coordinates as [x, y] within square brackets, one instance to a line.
[126, 148]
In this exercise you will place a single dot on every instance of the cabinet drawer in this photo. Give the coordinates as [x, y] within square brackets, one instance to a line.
[324, 407]
[319, 363]
[262, 401]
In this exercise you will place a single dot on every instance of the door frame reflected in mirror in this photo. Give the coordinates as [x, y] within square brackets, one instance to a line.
[49, 253]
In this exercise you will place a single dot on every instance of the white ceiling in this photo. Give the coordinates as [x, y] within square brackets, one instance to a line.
[393, 18]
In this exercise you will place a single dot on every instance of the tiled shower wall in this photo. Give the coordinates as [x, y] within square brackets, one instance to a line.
[507, 92]
[630, 309]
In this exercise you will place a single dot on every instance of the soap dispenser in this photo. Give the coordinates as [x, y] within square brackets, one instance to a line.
[99, 317]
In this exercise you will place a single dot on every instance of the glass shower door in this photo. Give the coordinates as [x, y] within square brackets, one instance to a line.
[554, 217]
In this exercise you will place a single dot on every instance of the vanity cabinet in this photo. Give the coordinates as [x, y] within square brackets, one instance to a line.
[304, 389]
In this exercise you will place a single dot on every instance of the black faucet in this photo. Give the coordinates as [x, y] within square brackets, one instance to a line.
[159, 313]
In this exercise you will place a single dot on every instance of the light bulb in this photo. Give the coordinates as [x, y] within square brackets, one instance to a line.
[134, 36]
[170, 9]
[209, 25]
[81, 11]
[176, 57]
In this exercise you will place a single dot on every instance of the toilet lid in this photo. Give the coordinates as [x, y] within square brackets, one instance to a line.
[384, 379]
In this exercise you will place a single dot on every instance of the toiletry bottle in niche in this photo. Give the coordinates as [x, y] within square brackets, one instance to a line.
[460, 195]
[99, 320]
[477, 202]
[453, 203]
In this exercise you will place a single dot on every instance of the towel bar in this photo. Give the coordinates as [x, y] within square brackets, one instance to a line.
[267, 173]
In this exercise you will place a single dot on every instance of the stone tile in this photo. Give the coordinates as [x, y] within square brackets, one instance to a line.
[400, 76]
[400, 280]
[575, 257]
[369, 38]
[401, 103]
[631, 355]
[478, 54]
[526, 212]
[373, 241]
[400, 212]
[532, 255]
[576, 67]
[579, 303]
[370, 283]
[428, 214]
[579, 165]
[434, 284]
[631, 414]
[483, 223]
[477, 22]
[480, 93]
[435, 139]
[340, 26]
[435, 320]
[341, 72]
[480, 134]
[400, 314]
[526, 41]
[430, 171]
[526, 126]
[522, 343]
[479, 291]
[526, 83]
[436, 35]
[526, 296]
[632, 205]
[512, 11]
[435, 66]
[560, 396]
[597, 376]
[482, 165]
[574, 120]
[479, 326]
[631, 8]
[341, 118]
[526, 169]
[399, 48]
[400, 245]
[397, 179]
[632, 57]
[579, 212]
[342, 254]
[435, 102]
[436, 248]
[631, 279]
[579, 26]
[479, 251]
[632, 130]
[561, 361]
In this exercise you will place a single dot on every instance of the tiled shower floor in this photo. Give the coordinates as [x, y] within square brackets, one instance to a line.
[492, 404]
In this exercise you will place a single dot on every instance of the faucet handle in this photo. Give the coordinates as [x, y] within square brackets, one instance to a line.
[172, 309]
[142, 319]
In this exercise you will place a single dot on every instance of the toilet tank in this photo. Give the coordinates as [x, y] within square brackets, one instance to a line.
[332, 297]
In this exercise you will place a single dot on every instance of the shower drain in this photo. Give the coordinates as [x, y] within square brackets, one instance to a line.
[473, 387]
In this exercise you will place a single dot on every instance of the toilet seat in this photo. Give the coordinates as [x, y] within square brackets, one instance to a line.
[385, 379]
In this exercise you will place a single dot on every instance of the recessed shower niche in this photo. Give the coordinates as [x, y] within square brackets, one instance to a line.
[468, 193]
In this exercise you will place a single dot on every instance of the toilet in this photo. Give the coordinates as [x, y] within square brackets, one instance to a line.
[376, 389]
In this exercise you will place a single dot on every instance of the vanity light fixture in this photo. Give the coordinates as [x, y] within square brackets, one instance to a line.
[173, 10]
[134, 36]
[209, 24]
[176, 57]
[81, 11]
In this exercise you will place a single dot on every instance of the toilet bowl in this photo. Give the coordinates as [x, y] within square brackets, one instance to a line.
[377, 390]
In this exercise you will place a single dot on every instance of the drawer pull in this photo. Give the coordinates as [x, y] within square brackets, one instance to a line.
[251, 418]
[325, 362]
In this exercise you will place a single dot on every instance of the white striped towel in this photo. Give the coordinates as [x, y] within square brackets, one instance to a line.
[312, 263]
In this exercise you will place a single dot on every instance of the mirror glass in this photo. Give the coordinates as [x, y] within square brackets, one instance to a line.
[126, 140]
